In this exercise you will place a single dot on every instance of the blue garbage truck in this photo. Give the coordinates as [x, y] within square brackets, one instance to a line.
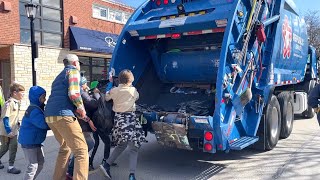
[218, 75]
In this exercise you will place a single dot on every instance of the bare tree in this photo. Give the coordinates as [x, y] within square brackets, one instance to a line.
[312, 18]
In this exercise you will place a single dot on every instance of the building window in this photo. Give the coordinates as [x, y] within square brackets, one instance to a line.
[47, 25]
[94, 68]
[109, 14]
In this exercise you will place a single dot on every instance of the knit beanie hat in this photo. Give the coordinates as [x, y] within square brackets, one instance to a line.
[83, 80]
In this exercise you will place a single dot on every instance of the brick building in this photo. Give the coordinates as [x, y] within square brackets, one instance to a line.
[87, 28]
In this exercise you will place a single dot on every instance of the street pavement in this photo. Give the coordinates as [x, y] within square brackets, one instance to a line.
[297, 157]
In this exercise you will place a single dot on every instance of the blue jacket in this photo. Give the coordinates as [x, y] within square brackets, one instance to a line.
[59, 103]
[33, 130]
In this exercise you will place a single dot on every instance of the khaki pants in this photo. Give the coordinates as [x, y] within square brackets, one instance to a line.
[68, 133]
[10, 144]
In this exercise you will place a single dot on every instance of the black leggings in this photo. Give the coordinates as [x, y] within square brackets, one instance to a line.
[104, 135]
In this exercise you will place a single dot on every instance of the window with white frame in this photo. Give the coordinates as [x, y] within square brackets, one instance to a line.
[48, 23]
[109, 14]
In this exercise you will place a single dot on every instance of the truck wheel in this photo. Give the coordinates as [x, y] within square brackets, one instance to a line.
[309, 112]
[273, 123]
[287, 113]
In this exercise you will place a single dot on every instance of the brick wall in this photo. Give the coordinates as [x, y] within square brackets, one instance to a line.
[49, 65]
[83, 11]
[10, 23]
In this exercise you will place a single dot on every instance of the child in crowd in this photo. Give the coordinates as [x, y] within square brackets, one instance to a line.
[103, 131]
[33, 132]
[2, 99]
[127, 130]
[9, 126]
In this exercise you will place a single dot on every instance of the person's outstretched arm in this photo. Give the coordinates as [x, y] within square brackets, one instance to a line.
[74, 92]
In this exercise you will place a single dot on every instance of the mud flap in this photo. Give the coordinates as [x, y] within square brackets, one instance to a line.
[171, 135]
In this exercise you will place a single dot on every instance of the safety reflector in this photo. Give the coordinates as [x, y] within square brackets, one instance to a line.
[216, 30]
[134, 33]
[295, 81]
[221, 22]
[178, 35]
[155, 36]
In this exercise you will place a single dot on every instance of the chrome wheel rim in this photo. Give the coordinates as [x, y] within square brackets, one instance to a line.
[274, 125]
[289, 116]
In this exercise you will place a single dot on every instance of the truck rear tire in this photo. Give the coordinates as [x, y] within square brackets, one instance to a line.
[273, 123]
[287, 113]
[309, 112]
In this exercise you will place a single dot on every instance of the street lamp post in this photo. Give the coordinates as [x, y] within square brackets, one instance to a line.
[31, 10]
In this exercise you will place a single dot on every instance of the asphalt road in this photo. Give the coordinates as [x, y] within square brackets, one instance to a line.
[297, 157]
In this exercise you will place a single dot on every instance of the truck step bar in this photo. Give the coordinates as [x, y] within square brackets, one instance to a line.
[243, 142]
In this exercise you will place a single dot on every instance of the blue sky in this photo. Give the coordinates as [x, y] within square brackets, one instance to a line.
[133, 3]
[303, 5]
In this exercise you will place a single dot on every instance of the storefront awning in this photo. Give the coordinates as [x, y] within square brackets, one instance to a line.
[90, 40]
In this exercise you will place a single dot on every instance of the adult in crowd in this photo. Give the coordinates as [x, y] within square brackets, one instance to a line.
[314, 100]
[64, 103]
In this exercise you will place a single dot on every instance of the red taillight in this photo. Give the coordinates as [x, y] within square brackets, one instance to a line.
[158, 2]
[176, 36]
[207, 147]
[165, 2]
[208, 136]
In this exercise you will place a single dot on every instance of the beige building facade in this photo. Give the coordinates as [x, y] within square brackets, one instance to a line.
[48, 65]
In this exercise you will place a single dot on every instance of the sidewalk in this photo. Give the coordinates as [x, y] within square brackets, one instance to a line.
[51, 147]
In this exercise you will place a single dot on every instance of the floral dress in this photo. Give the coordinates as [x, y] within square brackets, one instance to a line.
[127, 128]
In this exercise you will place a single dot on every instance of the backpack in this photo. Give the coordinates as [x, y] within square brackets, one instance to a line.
[103, 116]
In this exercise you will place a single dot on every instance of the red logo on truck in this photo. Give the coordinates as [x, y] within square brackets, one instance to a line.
[287, 37]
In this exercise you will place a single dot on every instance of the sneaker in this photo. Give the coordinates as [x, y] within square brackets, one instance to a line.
[14, 171]
[1, 165]
[113, 144]
[68, 177]
[132, 177]
[114, 164]
[91, 168]
[105, 168]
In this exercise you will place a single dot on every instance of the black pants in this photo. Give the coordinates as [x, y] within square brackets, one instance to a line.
[104, 135]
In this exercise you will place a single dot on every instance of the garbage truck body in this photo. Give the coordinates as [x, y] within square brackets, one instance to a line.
[218, 74]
